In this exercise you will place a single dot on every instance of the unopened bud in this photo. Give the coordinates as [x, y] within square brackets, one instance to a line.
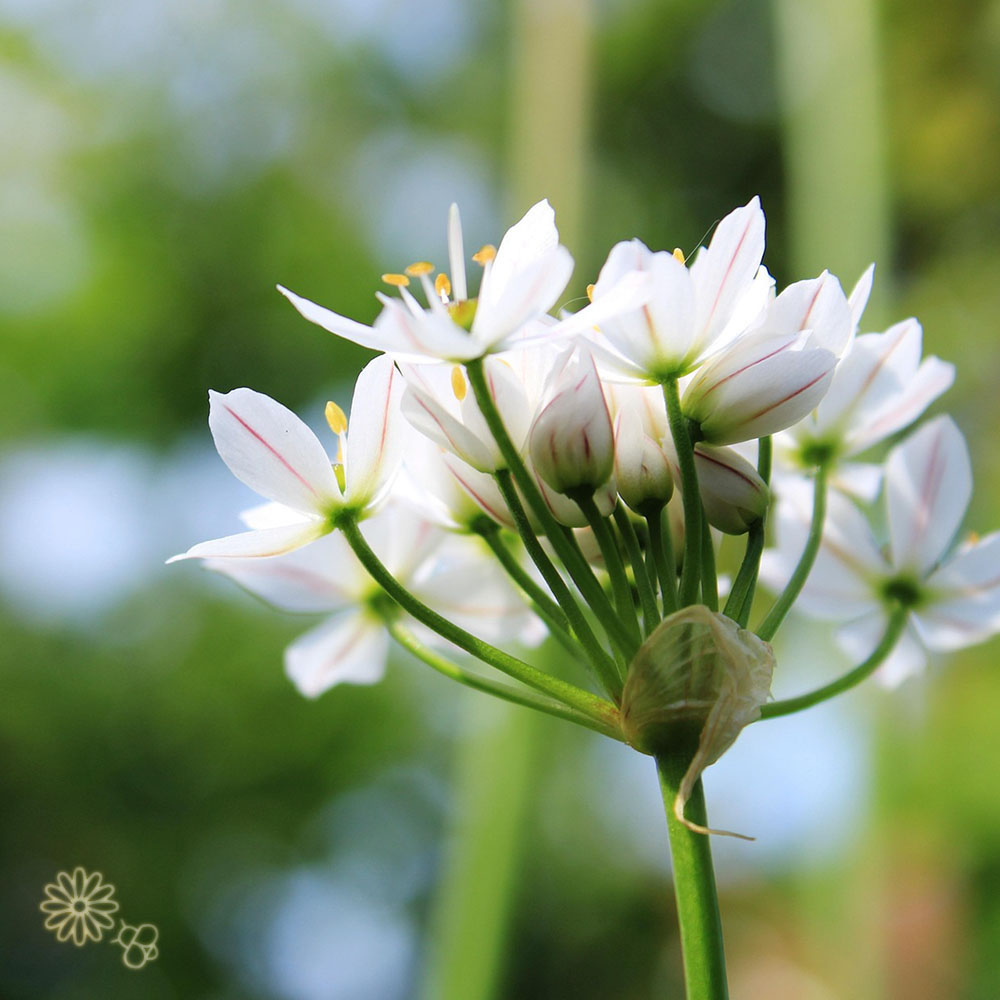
[642, 468]
[732, 492]
[696, 681]
[571, 441]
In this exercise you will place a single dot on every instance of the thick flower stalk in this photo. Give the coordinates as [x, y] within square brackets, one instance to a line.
[508, 474]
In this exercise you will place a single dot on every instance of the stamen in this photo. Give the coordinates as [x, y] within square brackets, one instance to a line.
[679, 254]
[399, 280]
[442, 286]
[419, 268]
[590, 293]
[458, 385]
[485, 254]
[336, 418]
[456, 253]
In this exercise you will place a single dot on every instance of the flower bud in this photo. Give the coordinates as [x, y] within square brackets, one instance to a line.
[696, 681]
[732, 492]
[642, 468]
[571, 441]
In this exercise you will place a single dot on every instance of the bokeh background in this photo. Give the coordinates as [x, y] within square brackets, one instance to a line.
[163, 164]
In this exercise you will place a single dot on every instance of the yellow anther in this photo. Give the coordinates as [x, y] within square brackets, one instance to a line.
[420, 267]
[973, 537]
[458, 385]
[336, 418]
[485, 254]
[399, 280]
[679, 254]
[590, 292]
[442, 285]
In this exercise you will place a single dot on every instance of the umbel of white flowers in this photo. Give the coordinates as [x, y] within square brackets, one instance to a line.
[507, 475]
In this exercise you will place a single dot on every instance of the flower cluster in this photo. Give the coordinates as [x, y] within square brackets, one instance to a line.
[506, 474]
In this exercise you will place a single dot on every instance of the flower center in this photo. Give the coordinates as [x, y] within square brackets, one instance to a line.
[903, 590]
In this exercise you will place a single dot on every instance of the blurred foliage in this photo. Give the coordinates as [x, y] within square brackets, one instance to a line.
[163, 169]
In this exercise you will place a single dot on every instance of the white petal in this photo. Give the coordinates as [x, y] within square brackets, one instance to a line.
[662, 333]
[873, 372]
[481, 488]
[507, 391]
[258, 544]
[401, 540]
[928, 486]
[628, 294]
[532, 291]
[842, 584]
[818, 305]
[349, 329]
[907, 658]
[763, 397]
[374, 435]
[456, 254]
[466, 588]
[270, 449]
[860, 480]
[966, 604]
[347, 649]
[433, 420]
[272, 515]
[526, 242]
[323, 576]
[931, 379]
[624, 258]
[423, 338]
[722, 272]
[860, 294]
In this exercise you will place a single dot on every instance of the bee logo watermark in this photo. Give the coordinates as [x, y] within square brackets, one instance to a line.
[81, 907]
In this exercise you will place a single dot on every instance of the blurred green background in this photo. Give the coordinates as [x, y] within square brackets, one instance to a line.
[163, 164]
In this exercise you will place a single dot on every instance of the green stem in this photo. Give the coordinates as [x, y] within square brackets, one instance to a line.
[661, 543]
[709, 581]
[444, 666]
[783, 605]
[643, 583]
[764, 452]
[694, 886]
[598, 709]
[495, 769]
[691, 569]
[741, 596]
[543, 605]
[612, 561]
[897, 622]
[558, 534]
[604, 666]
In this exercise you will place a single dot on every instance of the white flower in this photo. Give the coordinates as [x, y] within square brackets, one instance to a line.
[270, 449]
[953, 600]
[352, 645]
[519, 285]
[689, 310]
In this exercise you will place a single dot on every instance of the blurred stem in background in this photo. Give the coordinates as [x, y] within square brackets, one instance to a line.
[499, 751]
[829, 81]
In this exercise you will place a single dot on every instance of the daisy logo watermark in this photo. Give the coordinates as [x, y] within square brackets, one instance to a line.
[81, 907]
